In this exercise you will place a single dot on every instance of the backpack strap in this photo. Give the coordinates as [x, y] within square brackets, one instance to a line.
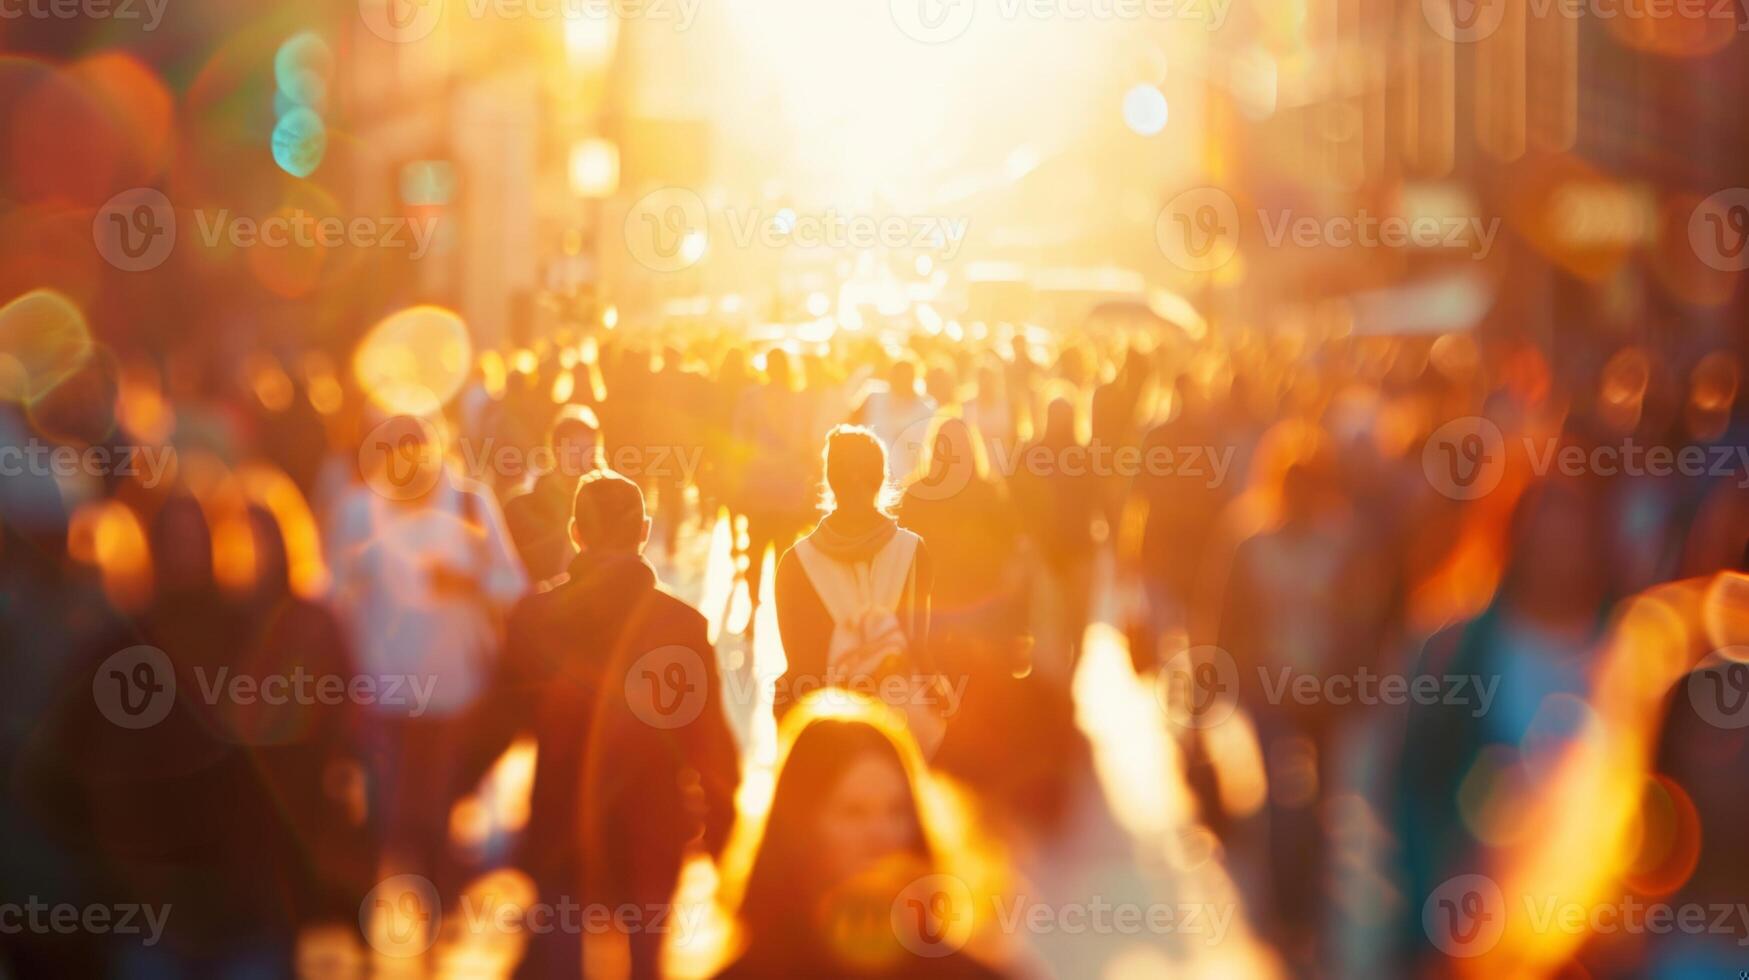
[833, 581]
[891, 569]
[848, 590]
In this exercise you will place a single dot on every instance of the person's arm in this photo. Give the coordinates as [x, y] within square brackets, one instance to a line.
[791, 629]
[714, 750]
[1139, 497]
[504, 580]
[346, 532]
[859, 414]
[507, 703]
[522, 522]
[923, 572]
[1239, 609]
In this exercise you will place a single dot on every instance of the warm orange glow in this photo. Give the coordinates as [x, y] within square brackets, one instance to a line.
[43, 341]
[946, 812]
[273, 490]
[414, 361]
[223, 503]
[1586, 854]
[594, 168]
[109, 535]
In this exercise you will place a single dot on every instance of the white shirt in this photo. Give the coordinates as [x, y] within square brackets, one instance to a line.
[390, 562]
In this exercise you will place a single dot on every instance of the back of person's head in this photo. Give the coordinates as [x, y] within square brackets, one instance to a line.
[272, 560]
[778, 369]
[733, 365]
[1557, 562]
[607, 513]
[856, 469]
[181, 546]
[1302, 489]
[1060, 421]
[902, 377]
[953, 456]
[575, 439]
[942, 384]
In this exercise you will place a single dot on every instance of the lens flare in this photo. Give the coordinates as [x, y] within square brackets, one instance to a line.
[414, 361]
[43, 342]
[300, 141]
[302, 68]
[1145, 110]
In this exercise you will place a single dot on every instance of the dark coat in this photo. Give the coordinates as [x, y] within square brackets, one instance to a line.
[616, 800]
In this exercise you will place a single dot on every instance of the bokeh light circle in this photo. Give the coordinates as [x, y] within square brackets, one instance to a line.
[43, 341]
[300, 141]
[412, 358]
[1145, 110]
[302, 67]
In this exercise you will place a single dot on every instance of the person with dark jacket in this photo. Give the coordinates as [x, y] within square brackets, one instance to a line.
[1058, 502]
[625, 782]
[537, 517]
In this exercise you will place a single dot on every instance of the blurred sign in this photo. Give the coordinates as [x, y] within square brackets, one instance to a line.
[1447, 304]
[1597, 213]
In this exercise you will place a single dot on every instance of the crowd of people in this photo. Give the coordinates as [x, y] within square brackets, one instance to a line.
[938, 523]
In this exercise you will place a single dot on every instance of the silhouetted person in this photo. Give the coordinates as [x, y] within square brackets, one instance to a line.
[424, 572]
[1055, 491]
[772, 424]
[853, 596]
[537, 516]
[897, 414]
[646, 778]
[720, 474]
[1537, 639]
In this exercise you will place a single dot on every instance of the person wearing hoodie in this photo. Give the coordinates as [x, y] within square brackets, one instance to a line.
[645, 776]
[853, 596]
